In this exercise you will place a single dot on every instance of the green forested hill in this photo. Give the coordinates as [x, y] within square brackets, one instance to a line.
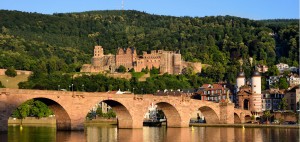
[63, 42]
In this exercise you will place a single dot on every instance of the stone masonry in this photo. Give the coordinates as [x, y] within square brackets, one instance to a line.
[70, 108]
[167, 61]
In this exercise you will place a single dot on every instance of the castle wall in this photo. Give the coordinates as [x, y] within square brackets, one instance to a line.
[168, 61]
[139, 65]
[125, 58]
[152, 59]
[196, 66]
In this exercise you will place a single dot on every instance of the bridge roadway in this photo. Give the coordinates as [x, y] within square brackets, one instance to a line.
[71, 108]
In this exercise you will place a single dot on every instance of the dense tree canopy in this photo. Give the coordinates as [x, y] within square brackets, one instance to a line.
[63, 42]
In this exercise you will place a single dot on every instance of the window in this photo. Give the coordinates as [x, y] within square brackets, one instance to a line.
[208, 92]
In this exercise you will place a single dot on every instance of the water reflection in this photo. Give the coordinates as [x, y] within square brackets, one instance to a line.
[149, 134]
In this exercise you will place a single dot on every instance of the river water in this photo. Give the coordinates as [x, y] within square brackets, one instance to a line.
[110, 133]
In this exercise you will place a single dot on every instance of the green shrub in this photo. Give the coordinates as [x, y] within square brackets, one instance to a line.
[11, 72]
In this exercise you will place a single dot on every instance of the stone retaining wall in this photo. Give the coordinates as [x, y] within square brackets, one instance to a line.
[19, 72]
[33, 120]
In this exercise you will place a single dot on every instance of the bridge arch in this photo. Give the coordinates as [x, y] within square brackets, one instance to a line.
[237, 119]
[125, 119]
[247, 118]
[210, 115]
[63, 120]
[171, 113]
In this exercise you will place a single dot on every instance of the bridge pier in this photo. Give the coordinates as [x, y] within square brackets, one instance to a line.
[242, 117]
[226, 113]
[3, 125]
[129, 124]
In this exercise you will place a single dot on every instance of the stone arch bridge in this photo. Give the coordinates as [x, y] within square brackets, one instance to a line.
[71, 108]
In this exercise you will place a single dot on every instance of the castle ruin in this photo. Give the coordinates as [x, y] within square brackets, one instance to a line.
[167, 61]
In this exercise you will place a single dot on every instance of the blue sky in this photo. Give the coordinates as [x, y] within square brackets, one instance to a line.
[252, 9]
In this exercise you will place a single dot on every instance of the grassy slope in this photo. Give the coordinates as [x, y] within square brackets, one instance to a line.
[12, 82]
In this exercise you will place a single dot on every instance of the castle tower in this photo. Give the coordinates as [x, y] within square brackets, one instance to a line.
[98, 51]
[255, 99]
[98, 54]
[166, 65]
[177, 63]
[240, 80]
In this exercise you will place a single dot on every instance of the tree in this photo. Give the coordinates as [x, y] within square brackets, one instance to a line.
[1, 85]
[32, 108]
[283, 104]
[11, 72]
[154, 70]
[145, 70]
[131, 70]
[111, 114]
[283, 84]
[273, 71]
[121, 69]
[99, 111]
[267, 115]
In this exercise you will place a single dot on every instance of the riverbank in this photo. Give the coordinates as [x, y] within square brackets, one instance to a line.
[246, 125]
[101, 121]
[32, 121]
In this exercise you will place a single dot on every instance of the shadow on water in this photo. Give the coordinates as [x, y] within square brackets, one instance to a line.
[3, 137]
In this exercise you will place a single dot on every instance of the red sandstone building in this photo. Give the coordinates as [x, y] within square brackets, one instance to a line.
[167, 61]
[212, 92]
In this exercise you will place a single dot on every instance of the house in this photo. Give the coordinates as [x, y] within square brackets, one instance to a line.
[294, 69]
[273, 80]
[262, 68]
[293, 80]
[282, 67]
[292, 96]
[271, 99]
[212, 92]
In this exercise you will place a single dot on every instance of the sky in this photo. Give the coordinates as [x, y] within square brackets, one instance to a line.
[252, 9]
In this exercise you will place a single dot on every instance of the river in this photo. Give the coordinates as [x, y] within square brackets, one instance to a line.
[110, 133]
